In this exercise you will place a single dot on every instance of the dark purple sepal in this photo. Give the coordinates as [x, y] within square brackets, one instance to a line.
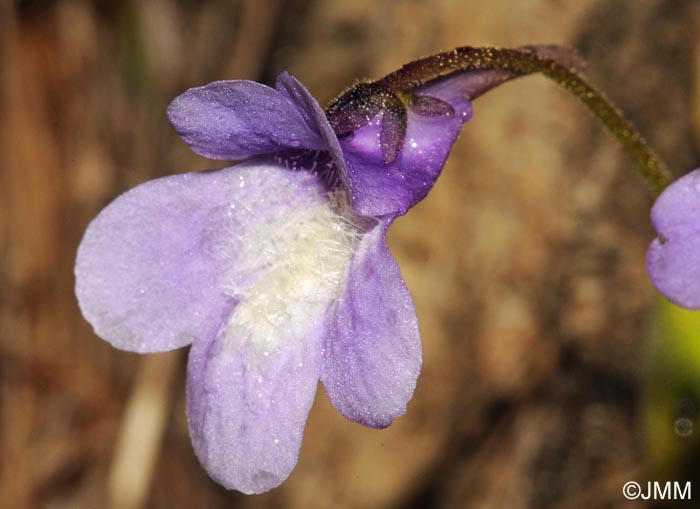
[393, 129]
[430, 106]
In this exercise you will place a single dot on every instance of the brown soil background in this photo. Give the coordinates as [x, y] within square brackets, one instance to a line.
[526, 261]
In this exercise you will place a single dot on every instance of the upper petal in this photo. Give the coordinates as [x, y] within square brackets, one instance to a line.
[238, 119]
[316, 117]
[673, 260]
[168, 258]
[372, 351]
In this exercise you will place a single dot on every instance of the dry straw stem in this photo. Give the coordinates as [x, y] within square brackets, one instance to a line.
[141, 432]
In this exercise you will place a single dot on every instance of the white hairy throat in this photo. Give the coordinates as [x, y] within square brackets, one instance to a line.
[298, 259]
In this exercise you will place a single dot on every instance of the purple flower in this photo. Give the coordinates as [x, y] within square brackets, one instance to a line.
[275, 270]
[673, 259]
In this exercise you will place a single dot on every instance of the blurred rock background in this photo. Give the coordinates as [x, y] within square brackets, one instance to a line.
[540, 387]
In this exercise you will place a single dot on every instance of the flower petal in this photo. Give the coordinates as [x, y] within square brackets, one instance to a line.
[251, 386]
[372, 352]
[145, 278]
[316, 117]
[673, 259]
[238, 119]
[169, 257]
[246, 409]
